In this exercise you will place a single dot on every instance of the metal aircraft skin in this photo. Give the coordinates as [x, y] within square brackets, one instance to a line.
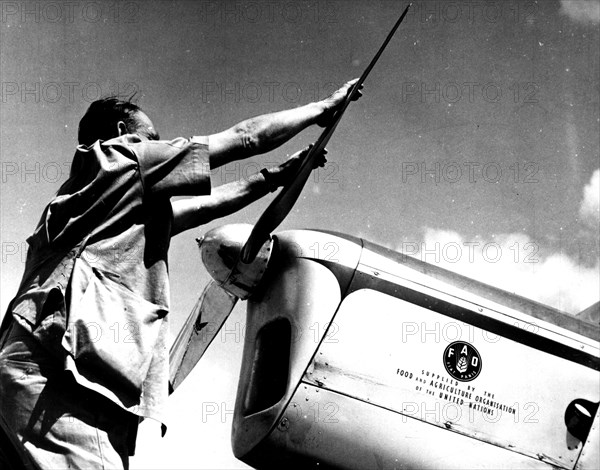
[359, 357]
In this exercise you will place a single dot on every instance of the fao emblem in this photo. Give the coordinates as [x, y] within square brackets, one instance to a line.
[462, 361]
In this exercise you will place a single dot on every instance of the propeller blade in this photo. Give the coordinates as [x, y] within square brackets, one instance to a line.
[204, 322]
[285, 200]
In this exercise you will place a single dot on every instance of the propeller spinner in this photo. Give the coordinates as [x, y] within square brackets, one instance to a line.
[220, 249]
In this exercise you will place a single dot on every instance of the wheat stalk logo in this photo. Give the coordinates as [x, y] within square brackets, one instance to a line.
[461, 365]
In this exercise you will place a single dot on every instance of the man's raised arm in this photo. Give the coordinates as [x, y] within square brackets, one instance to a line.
[264, 133]
[231, 197]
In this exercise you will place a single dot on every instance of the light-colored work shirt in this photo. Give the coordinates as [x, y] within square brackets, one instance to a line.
[108, 321]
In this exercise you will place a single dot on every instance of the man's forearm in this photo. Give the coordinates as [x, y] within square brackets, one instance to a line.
[267, 132]
[229, 198]
[261, 134]
[224, 200]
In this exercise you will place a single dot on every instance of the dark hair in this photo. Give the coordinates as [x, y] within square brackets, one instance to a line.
[101, 119]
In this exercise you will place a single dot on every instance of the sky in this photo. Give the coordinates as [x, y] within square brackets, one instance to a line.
[475, 146]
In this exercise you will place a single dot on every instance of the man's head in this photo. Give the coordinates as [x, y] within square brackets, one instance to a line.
[112, 117]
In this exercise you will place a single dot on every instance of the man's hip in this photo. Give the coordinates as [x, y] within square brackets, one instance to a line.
[59, 423]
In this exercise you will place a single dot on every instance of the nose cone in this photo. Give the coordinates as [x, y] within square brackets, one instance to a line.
[220, 249]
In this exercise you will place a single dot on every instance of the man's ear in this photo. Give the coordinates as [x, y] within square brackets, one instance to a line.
[122, 128]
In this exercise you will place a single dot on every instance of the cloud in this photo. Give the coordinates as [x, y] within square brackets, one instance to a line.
[582, 11]
[590, 205]
[515, 263]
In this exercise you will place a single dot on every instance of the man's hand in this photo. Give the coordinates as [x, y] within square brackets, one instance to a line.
[284, 173]
[333, 102]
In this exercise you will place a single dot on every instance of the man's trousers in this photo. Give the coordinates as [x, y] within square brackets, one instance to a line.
[60, 424]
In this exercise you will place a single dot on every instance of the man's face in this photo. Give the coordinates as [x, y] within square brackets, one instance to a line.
[145, 127]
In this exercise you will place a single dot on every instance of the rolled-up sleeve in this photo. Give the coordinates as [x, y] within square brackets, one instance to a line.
[178, 167]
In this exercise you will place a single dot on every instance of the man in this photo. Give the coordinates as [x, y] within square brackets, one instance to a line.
[83, 352]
